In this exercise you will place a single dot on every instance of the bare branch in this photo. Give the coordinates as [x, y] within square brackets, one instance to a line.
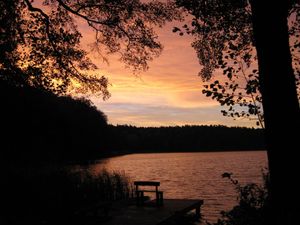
[76, 12]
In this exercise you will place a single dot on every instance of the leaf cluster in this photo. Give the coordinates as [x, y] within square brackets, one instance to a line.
[40, 44]
[224, 43]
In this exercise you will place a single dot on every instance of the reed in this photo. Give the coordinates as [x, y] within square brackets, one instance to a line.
[36, 197]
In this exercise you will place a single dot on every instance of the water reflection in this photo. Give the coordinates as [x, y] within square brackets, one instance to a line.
[193, 175]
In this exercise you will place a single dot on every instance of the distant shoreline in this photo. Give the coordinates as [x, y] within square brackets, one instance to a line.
[124, 153]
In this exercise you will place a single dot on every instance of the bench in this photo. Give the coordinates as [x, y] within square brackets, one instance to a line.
[140, 197]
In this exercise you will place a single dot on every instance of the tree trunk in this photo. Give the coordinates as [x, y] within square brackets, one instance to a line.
[280, 104]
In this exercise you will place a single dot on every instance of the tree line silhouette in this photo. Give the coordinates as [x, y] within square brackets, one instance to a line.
[40, 126]
[185, 138]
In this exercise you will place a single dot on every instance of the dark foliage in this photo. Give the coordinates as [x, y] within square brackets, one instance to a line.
[223, 32]
[54, 196]
[253, 207]
[40, 40]
[38, 126]
[226, 32]
[185, 138]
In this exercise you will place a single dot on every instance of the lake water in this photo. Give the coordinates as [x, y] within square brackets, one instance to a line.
[193, 175]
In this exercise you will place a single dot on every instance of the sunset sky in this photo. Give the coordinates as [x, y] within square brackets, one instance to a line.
[168, 94]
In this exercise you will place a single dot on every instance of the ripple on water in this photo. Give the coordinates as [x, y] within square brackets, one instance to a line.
[193, 175]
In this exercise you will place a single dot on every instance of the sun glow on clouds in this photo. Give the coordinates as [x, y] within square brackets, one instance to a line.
[169, 93]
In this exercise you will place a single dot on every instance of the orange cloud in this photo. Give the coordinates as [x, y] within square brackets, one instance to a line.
[169, 93]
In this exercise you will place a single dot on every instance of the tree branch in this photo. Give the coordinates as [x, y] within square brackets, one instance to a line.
[76, 12]
[259, 116]
[34, 9]
[47, 24]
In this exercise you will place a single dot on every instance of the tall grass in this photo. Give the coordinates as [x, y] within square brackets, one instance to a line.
[104, 186]
[50, 197]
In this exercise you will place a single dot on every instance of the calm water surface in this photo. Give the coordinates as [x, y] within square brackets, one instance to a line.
[193, 175]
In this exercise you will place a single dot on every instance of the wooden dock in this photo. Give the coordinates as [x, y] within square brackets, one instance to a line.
[149, 214]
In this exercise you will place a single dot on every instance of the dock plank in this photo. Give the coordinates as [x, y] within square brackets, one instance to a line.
[151, 215]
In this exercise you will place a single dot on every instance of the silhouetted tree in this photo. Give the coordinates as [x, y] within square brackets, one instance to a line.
[184, 138]
[234, 26]
[40, 44]
[38, 126]
[239, 87]
[40, 49]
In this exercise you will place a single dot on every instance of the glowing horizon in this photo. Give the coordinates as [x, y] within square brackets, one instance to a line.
[168, 94]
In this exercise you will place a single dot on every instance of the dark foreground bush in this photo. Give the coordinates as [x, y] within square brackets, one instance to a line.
[52, 197]
[253, 206]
